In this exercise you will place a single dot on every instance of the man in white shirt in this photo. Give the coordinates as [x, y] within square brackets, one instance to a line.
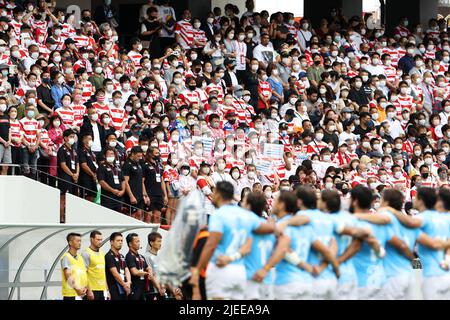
[375, 68]
[219, 173]
[250, 179]
[264, 51]
[395, 125]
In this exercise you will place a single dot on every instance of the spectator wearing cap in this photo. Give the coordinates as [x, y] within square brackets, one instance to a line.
[230, 78]
[68, 169]
[136, 195]
[154, 184]
[230, 125]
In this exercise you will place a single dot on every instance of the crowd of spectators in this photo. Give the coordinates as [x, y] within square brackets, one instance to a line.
[264, 101]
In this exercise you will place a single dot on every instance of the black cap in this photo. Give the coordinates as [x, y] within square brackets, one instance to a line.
[5, 19]
[68, 132]
[136, 126]
[290, 112]
[137, 149]
[69, 41]
[205, 163]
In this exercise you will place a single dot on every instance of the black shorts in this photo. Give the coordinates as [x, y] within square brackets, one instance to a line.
[156, 203]
[135, 207]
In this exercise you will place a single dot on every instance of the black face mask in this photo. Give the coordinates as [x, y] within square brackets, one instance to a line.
[317, 62]
[192, 87]
[233, 121]
[345, 191]
[46, 80]
[425, 175]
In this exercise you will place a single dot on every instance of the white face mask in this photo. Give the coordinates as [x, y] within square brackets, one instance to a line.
[235, 175]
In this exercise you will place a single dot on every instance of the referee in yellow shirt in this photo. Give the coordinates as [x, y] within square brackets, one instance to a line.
[73, 269]
[94, 258]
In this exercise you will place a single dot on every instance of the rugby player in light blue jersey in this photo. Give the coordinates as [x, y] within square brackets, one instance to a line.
[368, 261]
[348, 238]
[261, 247]
[325, 282]
[435, 225]
[293, 280]
[400, 279]
[229, 228]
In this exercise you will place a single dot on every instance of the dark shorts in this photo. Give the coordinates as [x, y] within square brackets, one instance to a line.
[135, 207]
[156, 203]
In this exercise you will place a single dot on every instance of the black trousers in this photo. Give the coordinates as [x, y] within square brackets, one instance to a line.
[98, 295]
[116, 296]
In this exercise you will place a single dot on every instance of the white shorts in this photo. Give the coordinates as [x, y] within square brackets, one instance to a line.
[293, 291]
[436, 288]
[225, 283]
[258, 291]
[371, 293]
[347, 291]
[400, 287]
[324, 289]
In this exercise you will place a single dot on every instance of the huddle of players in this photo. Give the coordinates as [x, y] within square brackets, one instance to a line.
[316, 251]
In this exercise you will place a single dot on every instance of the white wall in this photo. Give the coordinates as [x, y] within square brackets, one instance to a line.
[23, 200]
[79, 210]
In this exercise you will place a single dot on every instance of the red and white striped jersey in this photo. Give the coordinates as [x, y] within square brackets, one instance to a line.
[131, 142]
[164, 151]
[430, 182]
[30, 129]
[430, 54]
[82, 64]
[67, 116]
[200, 35]
[16, 25]
[406, 102]
[45, 139]
[395, 56]
[84, 41]
[117, 116]
[88, 91]
[79, 111]
[186, 32]
[101, 109]
[189, 97]
[279, 167]
[16, 131]
[195, 161]
[38, 24]
[264, 89]
[314, 147]
[402, 182]
[135, 58]
[391, 73]
[68, 31]
[170, 174]
[217, 87]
